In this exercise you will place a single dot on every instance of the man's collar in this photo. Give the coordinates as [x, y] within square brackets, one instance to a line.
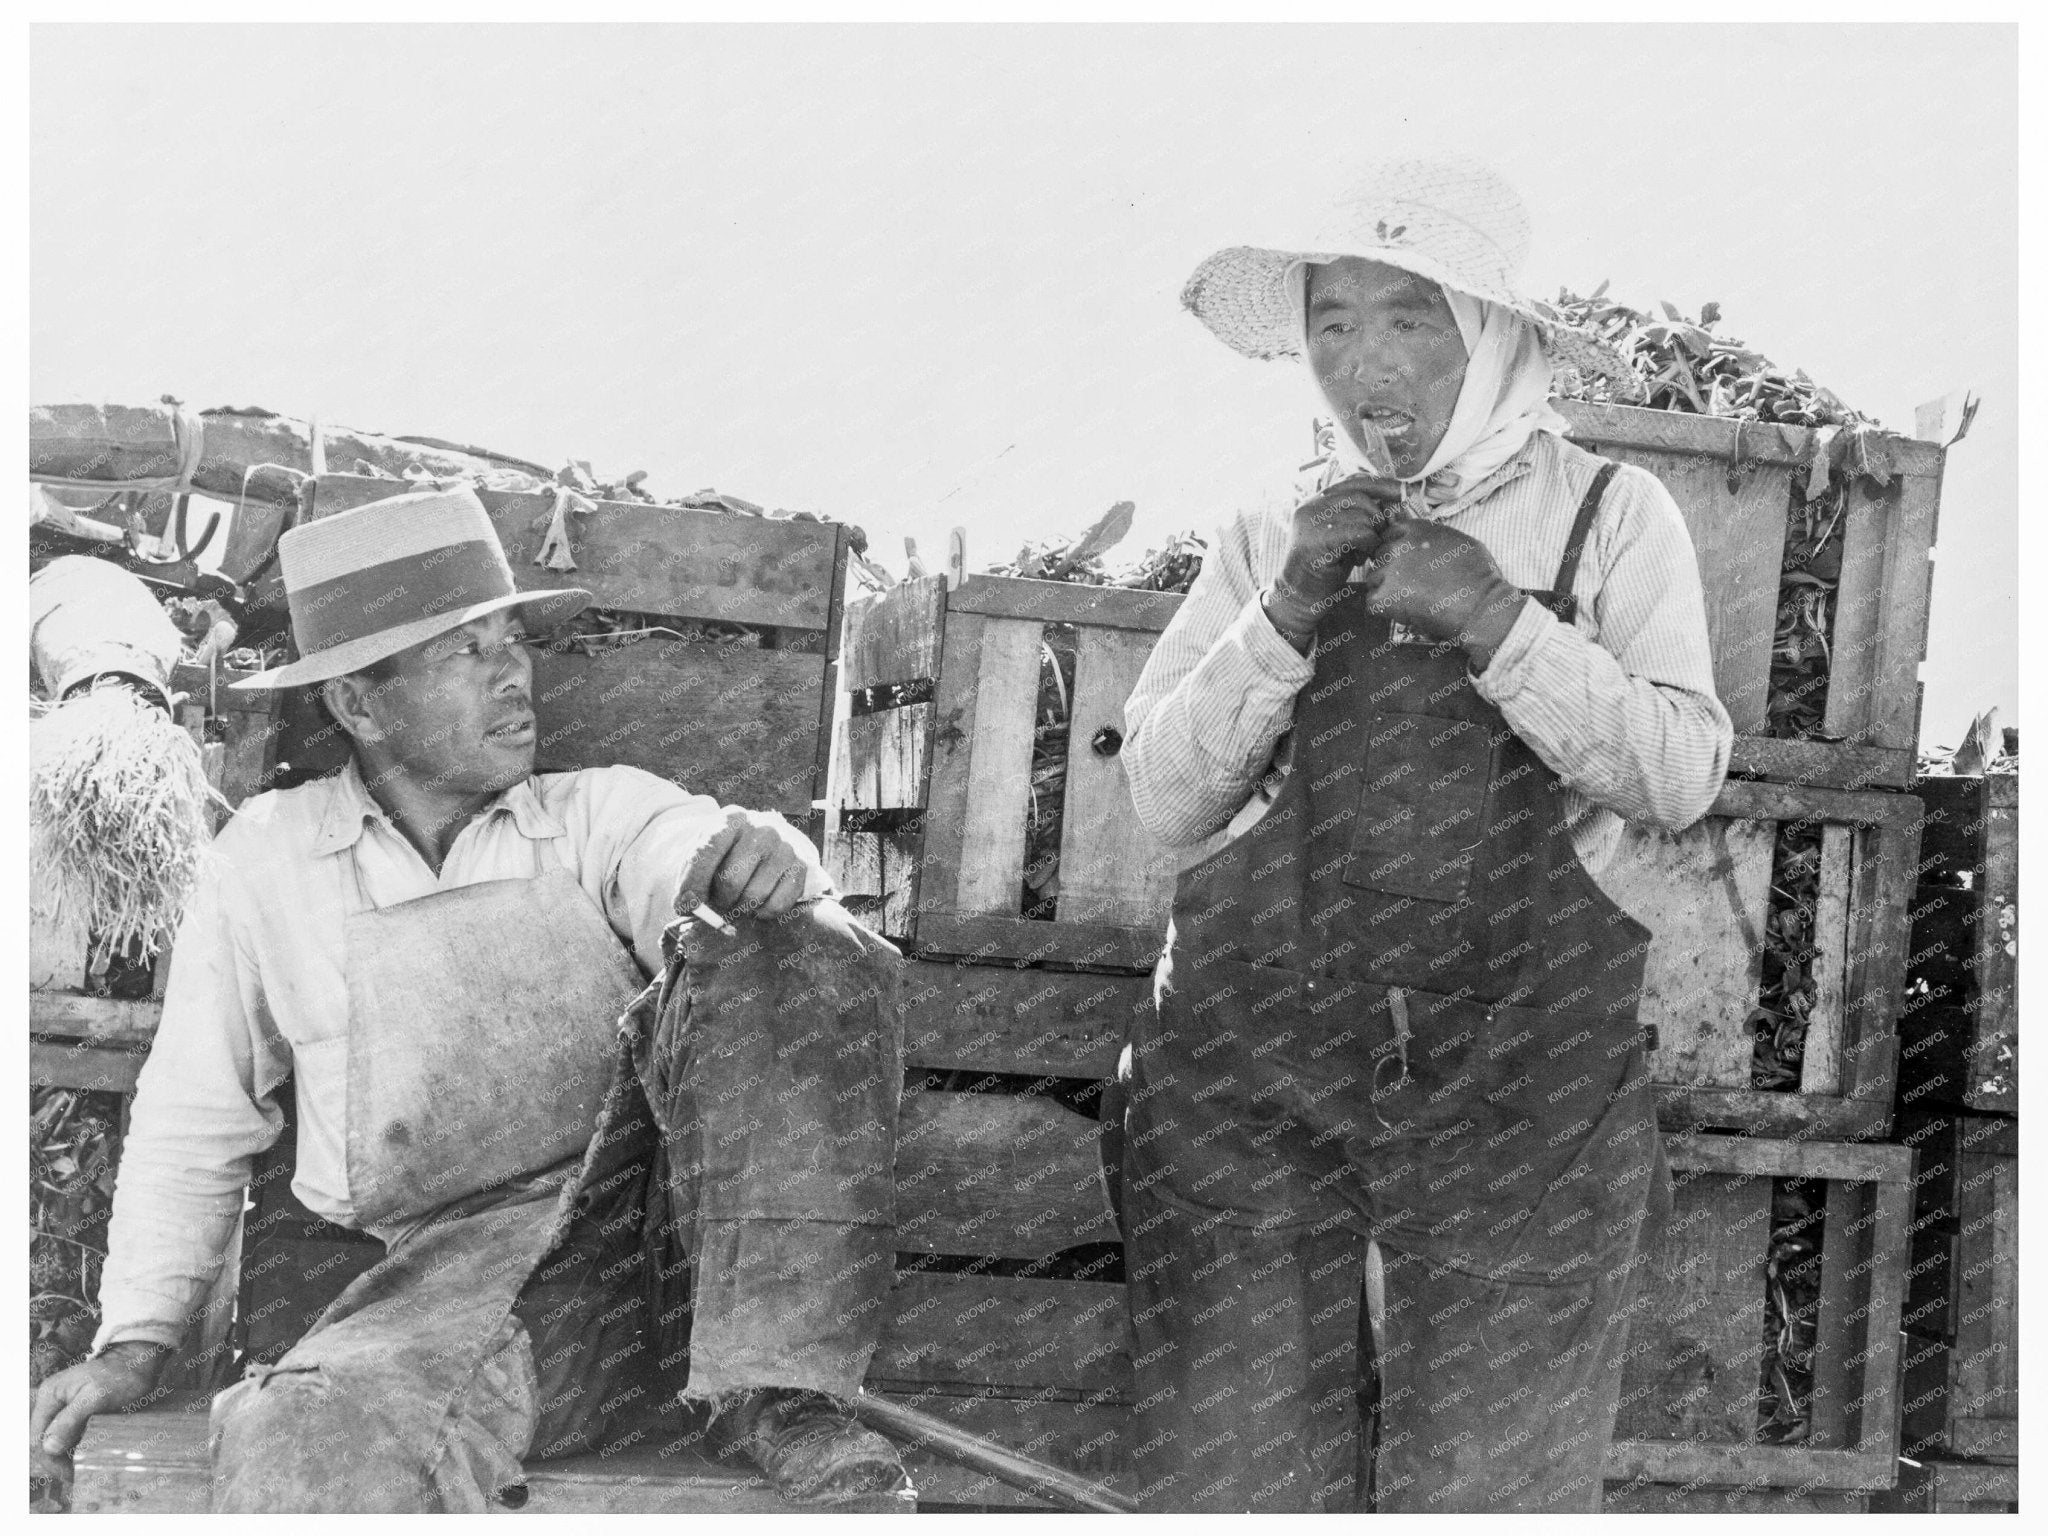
[350, 807]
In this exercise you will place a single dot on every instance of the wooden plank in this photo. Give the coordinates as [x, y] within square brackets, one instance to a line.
[1827, 764]
[1694, 1349]
[887, 758]
[1821, 1062]
[1881, 889]
[1685, 1499]
[1983, 1374]
[99, 1020]
[1796, 802]
[1963, 1488]
[654, 559]
[982, 1331]
[1880, 625]
[901, 852]
[250, 740]
[1992, 1439]
[1775, 1466]
[894, 636]
[984, 1018]
[156, 1462]
[1704, 894]
[1715, 437]
[1739, 538]
[1062, 602]
[995, 761]
[79, 1066]
[1111, 869]
[995, 1175]
[1773, 1114]
[731, 721]
[1994, 1011]
[1756, 1156]
[1084, 1437]
[1025, 940]
[957, 704]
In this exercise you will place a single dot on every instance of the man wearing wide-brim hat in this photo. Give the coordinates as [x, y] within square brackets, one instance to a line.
[601, 1200]
[1400, 723]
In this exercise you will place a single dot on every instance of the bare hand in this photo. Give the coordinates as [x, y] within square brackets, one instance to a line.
[118, 1378]
[1332, 532]
[1440, 583]
[755, 865]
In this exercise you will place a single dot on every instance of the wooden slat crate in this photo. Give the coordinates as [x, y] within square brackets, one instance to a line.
[1737, 483]
[750, 723]
[1961, 1393]
[1706, 894]
[1043, 1365]
[926, 833]
[1959, 1032]
[1689, 1404]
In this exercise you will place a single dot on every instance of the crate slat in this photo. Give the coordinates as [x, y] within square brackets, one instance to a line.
[1695, 1346]
[984, 1018]
[1111, 870]
[994, 759]
[741, 719]
[983, 1331]
[895, 636]
[88, 1067]
[655, 559]
[1006, 1177]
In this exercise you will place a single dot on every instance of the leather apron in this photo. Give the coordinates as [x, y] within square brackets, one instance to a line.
[1396, 1006]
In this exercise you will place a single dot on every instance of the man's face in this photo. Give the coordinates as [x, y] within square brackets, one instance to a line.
[1385, 349]
[455, 716]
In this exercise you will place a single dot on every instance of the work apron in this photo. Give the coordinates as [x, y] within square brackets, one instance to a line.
[740, 1112]
[484, 1043]
[1396, 1007]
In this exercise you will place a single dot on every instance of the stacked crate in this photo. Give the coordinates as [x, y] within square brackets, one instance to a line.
[1958, 1097]
[933, 785]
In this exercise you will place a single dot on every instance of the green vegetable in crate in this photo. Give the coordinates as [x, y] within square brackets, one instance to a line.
[119, 807]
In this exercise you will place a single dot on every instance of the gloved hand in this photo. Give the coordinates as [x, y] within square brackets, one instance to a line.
[1443, 584]
[1331, 532]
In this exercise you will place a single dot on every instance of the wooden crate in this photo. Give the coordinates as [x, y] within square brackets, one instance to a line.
[1737, 483]
[1706, 896]
[1959, 1034]
[1961, 1392]
[1690, 1384]
[749, 723]
[926, 831]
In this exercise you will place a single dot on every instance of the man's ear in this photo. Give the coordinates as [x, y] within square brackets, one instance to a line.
[348, 701]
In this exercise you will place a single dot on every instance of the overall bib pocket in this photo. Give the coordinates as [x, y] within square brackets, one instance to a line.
[1421, 805]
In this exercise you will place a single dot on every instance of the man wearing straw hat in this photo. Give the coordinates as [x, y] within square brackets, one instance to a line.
[1396, 1050]
[595, 1205]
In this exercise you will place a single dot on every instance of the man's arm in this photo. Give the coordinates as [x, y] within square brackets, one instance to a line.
[202, 1112]
[1631, 719]
[651, 849]
[1217, 692]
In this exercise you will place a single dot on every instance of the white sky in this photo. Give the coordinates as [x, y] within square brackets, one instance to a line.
[915, 278]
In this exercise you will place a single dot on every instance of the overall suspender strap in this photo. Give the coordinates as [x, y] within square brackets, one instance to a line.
[1582, 529]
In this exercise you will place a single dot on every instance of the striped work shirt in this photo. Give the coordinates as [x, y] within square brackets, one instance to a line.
[1620, 704]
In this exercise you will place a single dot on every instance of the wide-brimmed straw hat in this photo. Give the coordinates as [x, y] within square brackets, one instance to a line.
[1455, 222]
[366, 584]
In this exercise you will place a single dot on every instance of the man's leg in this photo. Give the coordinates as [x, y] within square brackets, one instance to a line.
[1245, 1362]
[1497, 1395]
[774, 1065]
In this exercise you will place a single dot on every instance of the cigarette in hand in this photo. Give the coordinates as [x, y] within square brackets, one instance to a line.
[711, 919]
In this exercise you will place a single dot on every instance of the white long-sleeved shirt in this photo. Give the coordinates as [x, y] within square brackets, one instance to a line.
[257, 992]
[1620, 704]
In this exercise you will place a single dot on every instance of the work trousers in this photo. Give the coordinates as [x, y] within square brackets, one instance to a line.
[1493, 1395]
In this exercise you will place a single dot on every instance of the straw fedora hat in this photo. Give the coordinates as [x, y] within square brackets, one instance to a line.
[1455, 222]
[365, 584]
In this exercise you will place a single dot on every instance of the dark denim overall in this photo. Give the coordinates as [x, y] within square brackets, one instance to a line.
[1396, 1008]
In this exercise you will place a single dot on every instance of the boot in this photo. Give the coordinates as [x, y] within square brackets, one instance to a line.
[809, 1446]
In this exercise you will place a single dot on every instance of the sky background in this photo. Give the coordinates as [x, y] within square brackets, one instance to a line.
[920, 278]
